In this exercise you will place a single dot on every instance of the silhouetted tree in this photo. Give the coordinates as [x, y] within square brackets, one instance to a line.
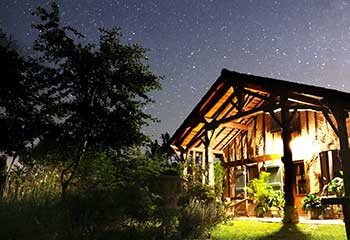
[96, 92]
[19, 102]
[163, 151]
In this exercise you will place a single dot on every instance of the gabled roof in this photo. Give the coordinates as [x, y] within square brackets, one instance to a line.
[235, 98]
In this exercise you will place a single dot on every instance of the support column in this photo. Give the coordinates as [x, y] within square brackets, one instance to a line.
[209, 161]
[194, 172]
[204, 165]
[340, 116]
[184, 156]
[211, 175]
[290, 212]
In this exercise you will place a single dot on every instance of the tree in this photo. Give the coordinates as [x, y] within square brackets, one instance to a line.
[96, 92]
[19, 102]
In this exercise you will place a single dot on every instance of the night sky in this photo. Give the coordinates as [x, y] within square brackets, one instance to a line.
[190, 41]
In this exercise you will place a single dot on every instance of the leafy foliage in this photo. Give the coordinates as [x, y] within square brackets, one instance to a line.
[218, 176]
[265, 196]
[336, 186]
[111, 194]
[95, 92]
[312, 201]
[19, 101]
[197, 219]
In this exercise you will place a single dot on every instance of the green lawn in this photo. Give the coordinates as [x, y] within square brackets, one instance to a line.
[253, 230]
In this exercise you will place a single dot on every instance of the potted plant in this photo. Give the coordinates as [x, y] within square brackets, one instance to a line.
[269, 202]
[259, 191]
[336, 186]
[313, 205]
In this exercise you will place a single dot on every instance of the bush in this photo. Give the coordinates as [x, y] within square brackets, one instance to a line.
[336, 186]
[110, 194]
[311, 201]
[198, 218]
[264, 195]
[198, 191]
[30, 219]
[218, 176]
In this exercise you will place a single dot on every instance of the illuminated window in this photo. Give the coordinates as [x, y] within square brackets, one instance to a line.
[199, 157]
[240, 183]
[275, 179]
[300, 179]
[330, 165]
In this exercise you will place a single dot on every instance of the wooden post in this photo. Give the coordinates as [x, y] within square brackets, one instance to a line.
[340, 116]
[211, 168]
[184, 156]
[194, 166]
[206, 153]
[205, 164]
[290, 212]
[209, 161]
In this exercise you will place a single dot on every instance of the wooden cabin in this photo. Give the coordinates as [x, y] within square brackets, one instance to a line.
[253, 124]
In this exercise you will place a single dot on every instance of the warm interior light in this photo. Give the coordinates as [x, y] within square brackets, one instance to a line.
[303, 147]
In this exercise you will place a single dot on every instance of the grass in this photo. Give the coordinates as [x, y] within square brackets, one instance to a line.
[253, 230]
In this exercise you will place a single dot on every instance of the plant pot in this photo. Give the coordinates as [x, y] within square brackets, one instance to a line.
[315, 213]
[259, 211]
[328, 213]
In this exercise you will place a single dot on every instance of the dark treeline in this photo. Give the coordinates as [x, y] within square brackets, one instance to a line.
[79, 165]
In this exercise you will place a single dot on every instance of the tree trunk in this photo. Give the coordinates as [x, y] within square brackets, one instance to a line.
[290, 212]
[6, 189]
[70, 171]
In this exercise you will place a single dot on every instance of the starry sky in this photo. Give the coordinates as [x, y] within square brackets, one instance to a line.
[190, 41]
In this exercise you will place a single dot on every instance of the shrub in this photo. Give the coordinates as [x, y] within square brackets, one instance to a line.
[311, 201]
[218, 176]
[198, 218]
[336, 186]
[198, 191]
[264, 195]
[275, 199]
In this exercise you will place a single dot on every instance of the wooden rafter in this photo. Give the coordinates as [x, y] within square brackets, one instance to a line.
[235, 135]
[233, 125]
[227, 136]
[257, 95]
[253, 95]
[204, 106]
[263, 108]
[211, 123]
[273, 115]
[217, 112]
[330, 122]
[299, 98]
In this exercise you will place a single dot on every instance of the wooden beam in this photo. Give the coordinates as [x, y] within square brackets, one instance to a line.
[330, 122]
[234, 125]
[335, 200]
[267, 157]
[198, 136]
[273, 115]
[200, 111]
[201, 131]
[233, 136]
[300, 98]
[217, 112]
[213, 124]
[227, 136]
[263, 108]
[257, 95]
